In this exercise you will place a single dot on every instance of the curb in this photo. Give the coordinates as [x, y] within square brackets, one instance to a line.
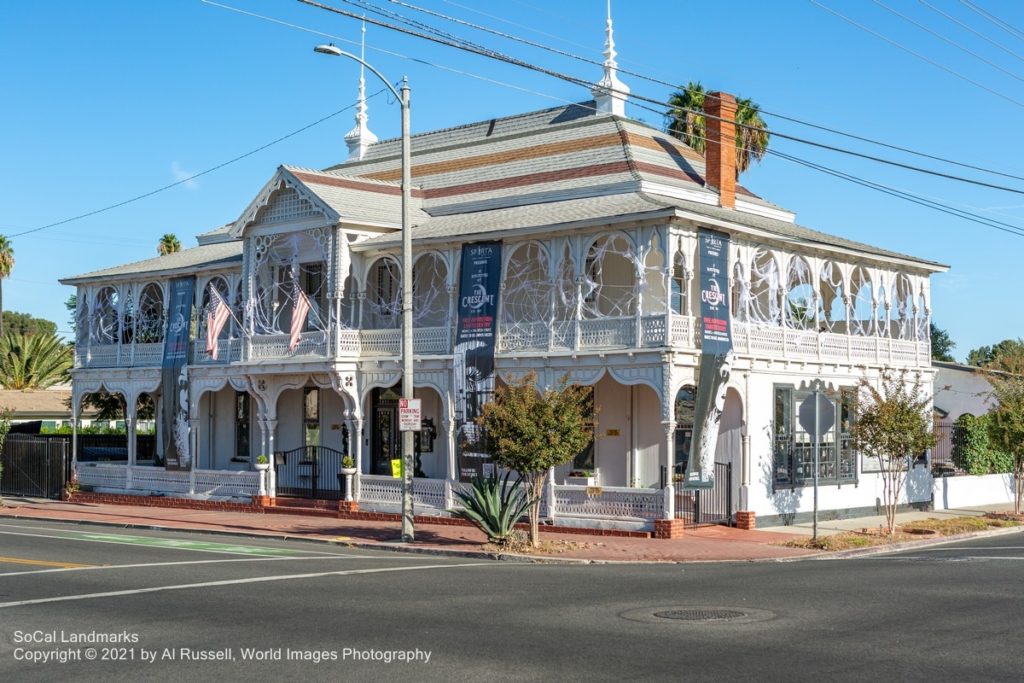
[388, 546]
[908, 545]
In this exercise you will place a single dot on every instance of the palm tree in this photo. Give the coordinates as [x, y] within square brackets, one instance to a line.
[685, 120]
[33, 361]
[6, 266]
[168, 244]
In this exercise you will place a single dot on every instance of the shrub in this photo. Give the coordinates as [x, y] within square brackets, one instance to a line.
[494, 507]
[974, 452]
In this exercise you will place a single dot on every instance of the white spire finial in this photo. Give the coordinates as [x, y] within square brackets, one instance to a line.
[610, 93]
[360, 138]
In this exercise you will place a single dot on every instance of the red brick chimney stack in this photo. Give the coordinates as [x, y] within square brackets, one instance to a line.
[720, 147]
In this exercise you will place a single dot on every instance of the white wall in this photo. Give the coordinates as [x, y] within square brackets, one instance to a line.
[960, 390]
[766, 500]
[435, 463]
[649, 435]
[611, 450]
[960, 492]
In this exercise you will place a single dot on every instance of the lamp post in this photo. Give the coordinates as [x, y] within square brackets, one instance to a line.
[407, 384]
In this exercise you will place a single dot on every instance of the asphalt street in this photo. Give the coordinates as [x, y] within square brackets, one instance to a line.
[86, 603]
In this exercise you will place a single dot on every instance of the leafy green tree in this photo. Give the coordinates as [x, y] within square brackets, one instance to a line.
[894, 426]
[983, 355]
[531, 431]
[685, 120]
[24, 323]
[168, 244]
[6, 266]
[1005, 374]
[34, 361]
[942, 345]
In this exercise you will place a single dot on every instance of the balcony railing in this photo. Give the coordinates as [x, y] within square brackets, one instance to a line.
[763, 341]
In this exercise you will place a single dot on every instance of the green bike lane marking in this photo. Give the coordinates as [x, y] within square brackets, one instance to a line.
[169, 544]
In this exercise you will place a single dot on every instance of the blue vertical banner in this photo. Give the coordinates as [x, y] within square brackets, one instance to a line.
[174, 374]
[715, 357]
[475, 337]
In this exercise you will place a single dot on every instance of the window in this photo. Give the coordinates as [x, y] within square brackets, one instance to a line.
[794, 446]
[311, 416]
[241, 427]
[686, 401]
[584, 460]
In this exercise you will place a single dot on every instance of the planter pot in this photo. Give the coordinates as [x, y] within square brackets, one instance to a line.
[262, 466]
[580, 481]
[347, 471]
[345, 475]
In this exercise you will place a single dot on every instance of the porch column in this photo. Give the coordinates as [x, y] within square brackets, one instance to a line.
[670, 443]
[356, 442]
[271, 435]
[453, 463]
[130, 412]
[75, 400]
[262, 423]
[193, 424]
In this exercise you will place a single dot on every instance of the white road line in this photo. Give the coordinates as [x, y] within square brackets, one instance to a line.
[189, 562]
[234, 582]
[953, 550]
[159, 547]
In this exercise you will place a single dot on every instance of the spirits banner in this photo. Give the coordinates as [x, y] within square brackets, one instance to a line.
[475, 335]
[174, 381]
[715, 357]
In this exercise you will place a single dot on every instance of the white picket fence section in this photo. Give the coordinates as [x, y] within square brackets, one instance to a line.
[201, 483]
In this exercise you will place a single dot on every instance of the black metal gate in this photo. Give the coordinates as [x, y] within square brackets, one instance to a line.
[309, 472]
[34, 466]
[706, 506]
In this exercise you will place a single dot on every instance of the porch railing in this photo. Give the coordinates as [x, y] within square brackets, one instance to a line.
[216, 483]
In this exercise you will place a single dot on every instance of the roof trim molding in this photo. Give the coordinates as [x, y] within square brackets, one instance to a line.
[282, 179]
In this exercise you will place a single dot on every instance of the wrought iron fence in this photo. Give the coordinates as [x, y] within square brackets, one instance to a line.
[309, 472]
[34, 466]
[698, 507]
[947, 454]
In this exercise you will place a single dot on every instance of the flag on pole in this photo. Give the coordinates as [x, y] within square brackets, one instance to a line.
[217, 314]
[299, 314]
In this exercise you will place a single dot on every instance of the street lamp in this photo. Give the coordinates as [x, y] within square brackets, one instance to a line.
[407, 385]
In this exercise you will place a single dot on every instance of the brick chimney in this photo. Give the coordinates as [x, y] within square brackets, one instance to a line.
[720, 148]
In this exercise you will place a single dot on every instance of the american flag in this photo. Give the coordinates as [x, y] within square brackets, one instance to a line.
[217, 314]
[299, 314]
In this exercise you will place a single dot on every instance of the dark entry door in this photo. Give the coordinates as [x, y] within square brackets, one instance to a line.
[386, 441]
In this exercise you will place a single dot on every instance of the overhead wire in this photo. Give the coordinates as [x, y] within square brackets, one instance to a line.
[917, 54]
[1006, 26]
[363, 4]
[191, 177]
[947, 40]
[468, 46]
[972, 30]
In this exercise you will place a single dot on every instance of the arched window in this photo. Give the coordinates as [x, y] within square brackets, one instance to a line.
[679, 292]
[221, 285]
[765, 289]
[832, 299]
[149, 322]
[902, 308]
[382, 308]
[609, 279]
[652, 284]
[430, 291]
[526, 291]
[800, 305]
[862, 318]
[105, 316]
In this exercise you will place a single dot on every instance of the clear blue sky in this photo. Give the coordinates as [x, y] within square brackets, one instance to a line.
[106, 100]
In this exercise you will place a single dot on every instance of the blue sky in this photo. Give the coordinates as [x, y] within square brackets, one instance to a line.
[107, 100]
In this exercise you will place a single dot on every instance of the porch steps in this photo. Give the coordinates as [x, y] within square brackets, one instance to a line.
[303, 506]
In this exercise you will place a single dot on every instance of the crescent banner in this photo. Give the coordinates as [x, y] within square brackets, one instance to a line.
[715, 357]
[474, 352]
[174, 381]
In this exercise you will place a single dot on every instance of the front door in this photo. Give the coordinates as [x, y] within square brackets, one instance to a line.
[386, 440]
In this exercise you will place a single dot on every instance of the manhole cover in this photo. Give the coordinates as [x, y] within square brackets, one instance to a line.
[697, 614]
[700, 614]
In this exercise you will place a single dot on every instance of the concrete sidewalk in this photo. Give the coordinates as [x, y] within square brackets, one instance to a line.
[835, 526]
[712, 543]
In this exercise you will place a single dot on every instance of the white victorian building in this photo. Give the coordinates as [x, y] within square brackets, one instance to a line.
[598, 216]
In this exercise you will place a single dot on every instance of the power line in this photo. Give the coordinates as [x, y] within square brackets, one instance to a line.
[486, 52]
[1013, 31]
[972, 30]
[916, 54]
[364, 5]
[193, 176]
[947, 40]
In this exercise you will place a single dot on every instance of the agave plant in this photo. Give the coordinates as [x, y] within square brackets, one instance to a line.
[494, 506]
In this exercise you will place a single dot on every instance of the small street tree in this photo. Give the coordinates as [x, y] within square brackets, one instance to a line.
[531, 431]
[1005, 374]
[893, 425]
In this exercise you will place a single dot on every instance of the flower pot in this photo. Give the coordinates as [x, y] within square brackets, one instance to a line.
[262, 466]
